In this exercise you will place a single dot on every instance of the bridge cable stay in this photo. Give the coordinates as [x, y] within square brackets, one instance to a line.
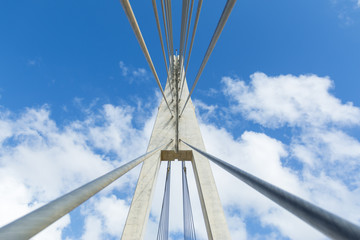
[188, 26]
[163, 230]
[192, 41]
[183, 73]
[328, 223]
[189, 229]
[161, 39]
[131, 17]
[224, 16]
[166, 30]
[169, 25]
[184, 17]
[37, 220]
[165, 27]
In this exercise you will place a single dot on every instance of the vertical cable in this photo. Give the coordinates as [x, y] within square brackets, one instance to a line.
[189, 229]
[163, 230]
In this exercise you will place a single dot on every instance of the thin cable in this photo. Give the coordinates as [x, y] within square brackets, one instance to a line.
[224, 17]
[183, 39]
[131, 17]
[161, 39]
[184, 16]
[163, 230]
[170, 27]
[165, 27]
[189, 229]
[159, 31]
[192, 41]
[188, 26]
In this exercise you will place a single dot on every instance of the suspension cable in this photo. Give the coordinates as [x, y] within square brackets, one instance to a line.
[161, 40]
[192, 41]
[159, 31]
[170, 30]
[328, 223]
[184, 17]
[189, 229]
[188, 26]
[35, 221]
[165, 27]
[131, 17]
[224, 16]
[163, 230]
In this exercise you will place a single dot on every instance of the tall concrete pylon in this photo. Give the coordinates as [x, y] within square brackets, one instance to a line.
[186, 128]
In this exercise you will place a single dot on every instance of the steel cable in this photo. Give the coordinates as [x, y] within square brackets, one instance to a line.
[328, 223]
[224, 17]
[35, 221]
[163, 230]
[189, 229]
[192, 41]
[161, 40]
[131, 17]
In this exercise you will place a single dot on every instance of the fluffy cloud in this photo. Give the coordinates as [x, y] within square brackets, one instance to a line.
[40, 161]
[319, 163]
[288, 99]
[131, 73]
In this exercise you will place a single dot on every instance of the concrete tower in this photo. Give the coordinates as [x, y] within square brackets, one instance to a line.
[169, 127]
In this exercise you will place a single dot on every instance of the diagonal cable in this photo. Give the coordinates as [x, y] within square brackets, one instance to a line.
[35, 221]
[131, 17]
[326, 222]
[161, 39]
[224, 17]
[192, 41]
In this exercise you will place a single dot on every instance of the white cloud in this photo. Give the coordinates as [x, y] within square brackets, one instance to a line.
[123, 68]
[287, 99]
[319, 163]
[40, 161]
[132, 74]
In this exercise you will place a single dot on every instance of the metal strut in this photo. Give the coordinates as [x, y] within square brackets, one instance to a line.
[131, 17]
[35, 221]
[224, 17]
[324, 221]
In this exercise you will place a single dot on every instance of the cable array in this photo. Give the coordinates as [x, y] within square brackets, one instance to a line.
[163, 230]
[189, 228]
[224, 17]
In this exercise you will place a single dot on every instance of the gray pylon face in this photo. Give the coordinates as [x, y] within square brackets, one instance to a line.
[187, 128]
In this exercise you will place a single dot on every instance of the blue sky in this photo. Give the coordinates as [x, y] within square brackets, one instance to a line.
[77, 98]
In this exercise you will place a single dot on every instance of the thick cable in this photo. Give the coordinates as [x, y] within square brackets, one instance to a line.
[328, 223]
[131, 17]
[192, 42]
[224, 17]
[189, 229]
[163, 230]
[35, 221]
